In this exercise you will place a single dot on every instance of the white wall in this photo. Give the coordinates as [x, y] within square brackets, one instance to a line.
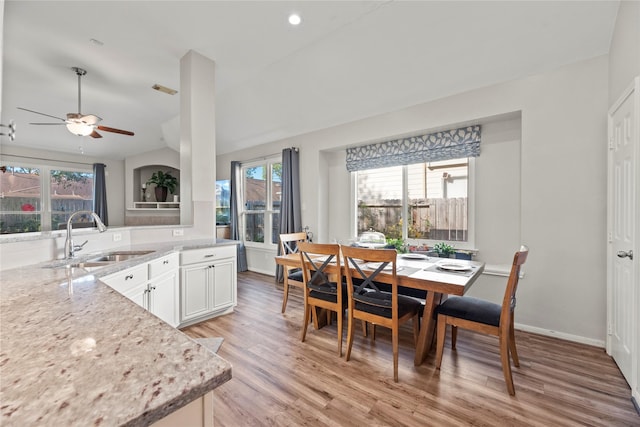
[624, 53]
[552, 196]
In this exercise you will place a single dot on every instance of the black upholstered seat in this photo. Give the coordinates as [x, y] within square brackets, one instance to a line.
[473, 309]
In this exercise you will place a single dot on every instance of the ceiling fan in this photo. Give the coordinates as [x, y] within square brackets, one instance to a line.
[78, 123]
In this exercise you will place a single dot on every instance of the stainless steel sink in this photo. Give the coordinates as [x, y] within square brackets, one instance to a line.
[94, 263]
[118, 256]
[89, 265]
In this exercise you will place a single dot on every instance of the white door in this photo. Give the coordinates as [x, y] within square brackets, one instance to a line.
[623, 256]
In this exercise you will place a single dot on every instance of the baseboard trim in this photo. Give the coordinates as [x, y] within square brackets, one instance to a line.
[560, 335]
[267, 272]
[635, 404]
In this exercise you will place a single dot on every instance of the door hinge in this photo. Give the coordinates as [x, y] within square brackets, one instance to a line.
[609, 237]
[611, 143]
[609, 329]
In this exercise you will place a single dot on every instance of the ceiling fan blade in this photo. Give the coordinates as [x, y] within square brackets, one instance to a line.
[55, 124]
[95, 134]
[114, 130]
[42, 114]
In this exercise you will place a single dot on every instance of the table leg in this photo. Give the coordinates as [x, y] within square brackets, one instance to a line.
[427, 328]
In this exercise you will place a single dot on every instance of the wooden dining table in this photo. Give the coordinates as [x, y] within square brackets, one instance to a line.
[437, 276]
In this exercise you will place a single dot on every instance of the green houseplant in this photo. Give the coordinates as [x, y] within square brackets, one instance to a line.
[444, 250]
[164, 182]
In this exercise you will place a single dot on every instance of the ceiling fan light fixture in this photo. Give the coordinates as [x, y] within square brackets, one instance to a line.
[80, 129]
[294, 19]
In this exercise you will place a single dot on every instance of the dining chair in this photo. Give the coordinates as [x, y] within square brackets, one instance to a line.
[323, 284]
[292, 275]
[485, 317]
[365, 270]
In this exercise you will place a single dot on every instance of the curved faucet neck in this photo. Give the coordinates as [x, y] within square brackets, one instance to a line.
[69, 249]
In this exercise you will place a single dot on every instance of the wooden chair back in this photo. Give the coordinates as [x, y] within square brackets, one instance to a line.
[509, 299]
[323, 288]
[292, 276]
[368, 303]
[289, 242]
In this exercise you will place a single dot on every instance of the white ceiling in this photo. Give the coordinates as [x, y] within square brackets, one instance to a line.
[347, 60]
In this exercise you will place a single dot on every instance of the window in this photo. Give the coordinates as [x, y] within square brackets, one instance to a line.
[261, 192]
[40, 198]
[433, 196]
[223, 202]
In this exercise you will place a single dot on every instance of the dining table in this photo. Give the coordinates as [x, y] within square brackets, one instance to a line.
[437, 276]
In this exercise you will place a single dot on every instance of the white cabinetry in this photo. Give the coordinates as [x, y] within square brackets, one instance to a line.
[132, 283]
[207, 283]
[152, 285]
[163, 288]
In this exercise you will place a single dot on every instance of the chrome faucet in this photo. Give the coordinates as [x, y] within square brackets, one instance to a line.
[69, 248]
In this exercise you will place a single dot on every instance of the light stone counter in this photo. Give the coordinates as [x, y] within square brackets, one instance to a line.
[75, 352]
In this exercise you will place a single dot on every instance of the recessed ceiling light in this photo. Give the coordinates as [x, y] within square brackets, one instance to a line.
[294, 19]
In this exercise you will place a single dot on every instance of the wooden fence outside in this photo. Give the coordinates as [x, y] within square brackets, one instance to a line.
[436, 219]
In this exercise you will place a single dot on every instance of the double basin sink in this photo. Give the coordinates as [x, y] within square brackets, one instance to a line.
[100, 261]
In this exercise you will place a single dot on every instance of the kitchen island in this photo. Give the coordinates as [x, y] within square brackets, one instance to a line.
[73, 351]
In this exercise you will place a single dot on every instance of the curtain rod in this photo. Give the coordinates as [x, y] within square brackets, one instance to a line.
[255, 159]
[47, 160]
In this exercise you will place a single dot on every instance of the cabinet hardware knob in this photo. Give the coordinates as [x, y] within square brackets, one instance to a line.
[210, 255]
[166, 261]
[130, 276]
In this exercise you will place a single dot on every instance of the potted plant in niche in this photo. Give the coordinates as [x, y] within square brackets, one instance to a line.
[165, 183]
[444, 250]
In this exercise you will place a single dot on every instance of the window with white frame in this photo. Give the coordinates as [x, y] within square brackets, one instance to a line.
[41, 198]
[433, 197]
[261, 193]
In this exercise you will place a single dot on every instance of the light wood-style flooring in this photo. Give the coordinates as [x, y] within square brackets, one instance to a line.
[279, 380]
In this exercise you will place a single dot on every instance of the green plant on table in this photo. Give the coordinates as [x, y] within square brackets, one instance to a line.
[398, 244]
[442, 248]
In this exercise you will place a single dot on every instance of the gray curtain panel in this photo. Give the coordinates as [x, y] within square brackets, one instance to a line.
[290, 210]
[234, 217]
[100, 192]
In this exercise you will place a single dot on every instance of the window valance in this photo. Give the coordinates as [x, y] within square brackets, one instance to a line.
[444, 145]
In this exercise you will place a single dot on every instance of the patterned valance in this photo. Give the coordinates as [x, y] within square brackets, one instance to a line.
[445, 145]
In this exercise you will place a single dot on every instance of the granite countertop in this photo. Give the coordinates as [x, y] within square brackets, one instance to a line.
[73, 351]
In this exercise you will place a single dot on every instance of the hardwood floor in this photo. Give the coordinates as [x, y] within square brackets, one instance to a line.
[279, 380]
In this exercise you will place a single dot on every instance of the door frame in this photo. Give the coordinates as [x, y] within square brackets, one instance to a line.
[633, 90]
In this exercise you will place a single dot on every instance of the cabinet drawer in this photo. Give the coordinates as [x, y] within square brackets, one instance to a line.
[159, 266]
[194, 256]
[127, 279]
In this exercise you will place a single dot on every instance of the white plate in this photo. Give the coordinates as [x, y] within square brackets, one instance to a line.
[454, 267]
[375, 265]
[414, 256]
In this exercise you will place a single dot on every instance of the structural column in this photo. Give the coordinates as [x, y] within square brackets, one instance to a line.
[198, 142]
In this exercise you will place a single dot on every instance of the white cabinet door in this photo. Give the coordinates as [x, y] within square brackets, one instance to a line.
[196, 292]
[224, 289]
[163, 297]
[138, 294]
